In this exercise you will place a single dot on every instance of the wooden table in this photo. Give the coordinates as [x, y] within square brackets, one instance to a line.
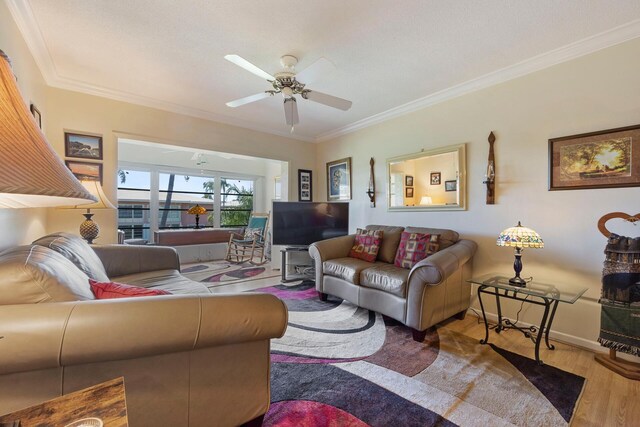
[105, 401]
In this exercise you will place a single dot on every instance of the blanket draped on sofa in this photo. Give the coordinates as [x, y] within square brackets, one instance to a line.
[620, 315]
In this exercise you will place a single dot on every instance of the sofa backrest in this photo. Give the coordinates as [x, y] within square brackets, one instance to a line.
[76, 250]
[447, 237]
[390, 241]
[34, 274]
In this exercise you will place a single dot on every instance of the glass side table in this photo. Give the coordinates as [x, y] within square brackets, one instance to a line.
[536, 293]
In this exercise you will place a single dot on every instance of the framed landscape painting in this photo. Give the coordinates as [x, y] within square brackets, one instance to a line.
[305, 193]
[339, 179]
[451, 185]
[82, 146]
[604, 159]
[85, 171]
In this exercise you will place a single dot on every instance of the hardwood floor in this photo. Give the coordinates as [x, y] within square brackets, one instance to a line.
[608, 398]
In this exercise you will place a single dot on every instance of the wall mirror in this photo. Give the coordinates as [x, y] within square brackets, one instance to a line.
[432, 180]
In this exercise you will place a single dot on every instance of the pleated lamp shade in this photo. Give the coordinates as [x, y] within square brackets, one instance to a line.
[31, 173]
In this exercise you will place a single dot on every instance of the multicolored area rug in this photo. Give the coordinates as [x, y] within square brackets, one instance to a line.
[340, 365]
[216, 273]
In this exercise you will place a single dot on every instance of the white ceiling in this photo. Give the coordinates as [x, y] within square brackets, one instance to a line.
[170, 54]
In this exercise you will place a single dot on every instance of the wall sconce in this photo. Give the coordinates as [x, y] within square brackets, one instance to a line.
[371, 191]
[490, 176]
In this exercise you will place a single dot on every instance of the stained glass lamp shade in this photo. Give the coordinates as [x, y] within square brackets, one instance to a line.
[519, 237]
[197, 210]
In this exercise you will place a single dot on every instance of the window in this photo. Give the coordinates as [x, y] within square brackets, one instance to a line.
[177, 193]
[134, 187]
[237, 202]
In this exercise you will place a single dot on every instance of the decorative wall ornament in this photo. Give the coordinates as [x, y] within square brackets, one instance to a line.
[82, 146]
[490, 175]
[371, 190]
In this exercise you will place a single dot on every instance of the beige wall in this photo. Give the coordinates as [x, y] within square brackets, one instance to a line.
[18, 226]
[595, 92]
[72, 111]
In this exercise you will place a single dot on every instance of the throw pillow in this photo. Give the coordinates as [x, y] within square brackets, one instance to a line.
[108, 290]
[415, 247]
[250, 233]
[366, 245]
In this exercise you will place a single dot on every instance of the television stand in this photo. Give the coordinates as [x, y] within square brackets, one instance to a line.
[296, 264]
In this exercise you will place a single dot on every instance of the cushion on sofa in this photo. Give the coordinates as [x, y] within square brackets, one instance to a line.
[347, 268]
[386, 277]
[35, 274]
[110, 290]
[415, 247]
[76, 250]
[389, 246]
[366, 244]
[447, 237]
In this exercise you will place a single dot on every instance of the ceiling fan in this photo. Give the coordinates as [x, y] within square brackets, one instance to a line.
[289, 83]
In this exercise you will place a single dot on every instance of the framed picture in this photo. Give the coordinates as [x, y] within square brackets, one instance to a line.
[604, 159]
[305, 193]
[408, 181]
[339, 179]
[451, 185]
[408, 192]
[435, 178]
[36, 114]
[86, 171]
[82, 146]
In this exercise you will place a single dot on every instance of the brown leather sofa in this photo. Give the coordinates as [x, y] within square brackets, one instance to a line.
[187, 359]
[433, 290]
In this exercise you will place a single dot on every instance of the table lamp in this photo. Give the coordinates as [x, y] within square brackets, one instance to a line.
[426, 200]
[31, 173]
[519, 237]
[89, 229]
[197, 210]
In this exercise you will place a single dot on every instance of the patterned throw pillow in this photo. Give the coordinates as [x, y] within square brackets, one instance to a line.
[415, 247]
[250, 233]
[366, 245]
[109, 290]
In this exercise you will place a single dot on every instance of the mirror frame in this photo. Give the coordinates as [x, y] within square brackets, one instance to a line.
[460, 149]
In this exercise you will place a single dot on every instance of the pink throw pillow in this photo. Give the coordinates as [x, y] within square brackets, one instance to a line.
[108, 290]
[366, 245]
[415, 247]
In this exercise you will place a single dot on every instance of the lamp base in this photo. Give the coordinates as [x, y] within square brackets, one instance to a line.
[518, 281]
[89, 230]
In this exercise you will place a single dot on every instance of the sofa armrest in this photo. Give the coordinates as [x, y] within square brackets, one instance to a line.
[337, 247]
[121, 260]
[436, 268]
[42, 336]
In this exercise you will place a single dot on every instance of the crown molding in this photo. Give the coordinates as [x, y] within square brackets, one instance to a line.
[28, 26]
[571, 51]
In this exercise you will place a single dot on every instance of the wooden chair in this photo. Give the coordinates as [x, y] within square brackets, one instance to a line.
[252, 244]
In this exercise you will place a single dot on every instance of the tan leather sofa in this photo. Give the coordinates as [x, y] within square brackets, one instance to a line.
[187, 359]
[433, 290]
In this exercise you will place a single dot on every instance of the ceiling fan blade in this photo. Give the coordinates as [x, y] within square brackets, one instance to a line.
[291, 111]
[241, 62]
[248, 99]
[321, 68]
[331, 101]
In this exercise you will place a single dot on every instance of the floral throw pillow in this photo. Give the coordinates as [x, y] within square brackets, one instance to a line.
[415, 247]
[366, 245]
[250, 233]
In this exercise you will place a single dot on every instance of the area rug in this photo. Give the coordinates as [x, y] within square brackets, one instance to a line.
[340, 365]
[216, 273]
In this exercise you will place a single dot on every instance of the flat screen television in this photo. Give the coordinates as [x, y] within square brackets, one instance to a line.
[302, 223]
